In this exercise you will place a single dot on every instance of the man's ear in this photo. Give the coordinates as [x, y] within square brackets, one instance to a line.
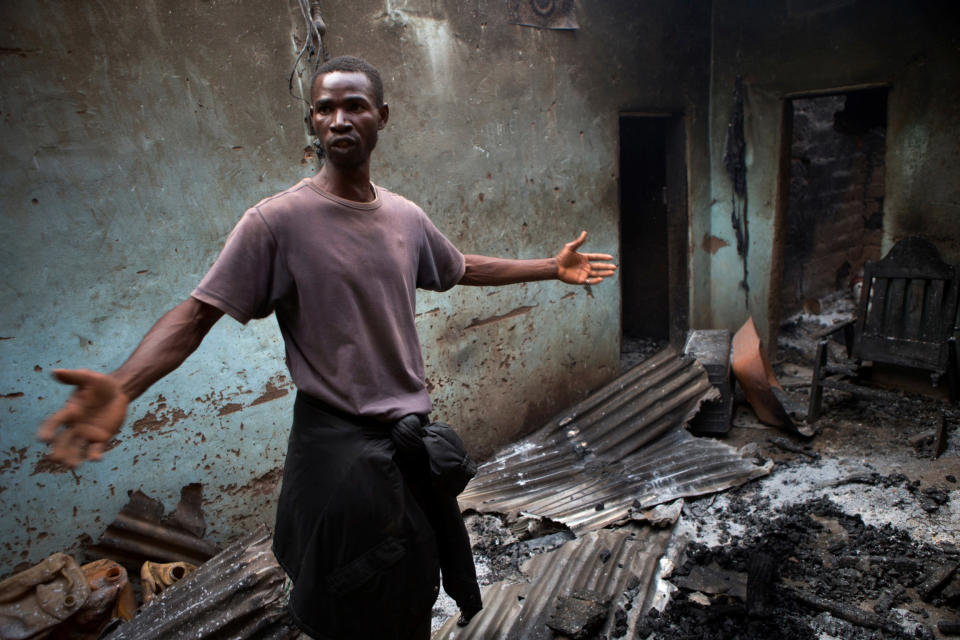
[309, 121]
[384, 116]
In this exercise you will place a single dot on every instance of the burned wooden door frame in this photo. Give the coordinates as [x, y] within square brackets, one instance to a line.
[782, 202]
[677, 220]
[774, 307]
[678, 229]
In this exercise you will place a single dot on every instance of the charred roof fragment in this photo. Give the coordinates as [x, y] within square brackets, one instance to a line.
[611, 572]
[622, 449]
[240, 593]
[141, 532]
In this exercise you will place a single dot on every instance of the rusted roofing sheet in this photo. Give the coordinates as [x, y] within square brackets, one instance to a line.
[141, 532]
[619, 564]
[623, 448]
[240, 593]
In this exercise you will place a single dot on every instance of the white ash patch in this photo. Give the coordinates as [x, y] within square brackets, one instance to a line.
[717, 520]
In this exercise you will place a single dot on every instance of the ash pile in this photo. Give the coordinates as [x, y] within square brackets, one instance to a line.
[848, 527]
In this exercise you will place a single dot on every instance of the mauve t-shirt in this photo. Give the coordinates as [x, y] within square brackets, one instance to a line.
[341, 277]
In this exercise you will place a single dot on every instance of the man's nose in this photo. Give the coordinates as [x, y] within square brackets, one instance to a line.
[340, 121]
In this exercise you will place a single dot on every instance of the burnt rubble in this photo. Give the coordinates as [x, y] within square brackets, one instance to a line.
[853, 535]
[240, 593]
[608, 526]
[832, 572]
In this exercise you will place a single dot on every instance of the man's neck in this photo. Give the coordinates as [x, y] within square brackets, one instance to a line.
[352, 184]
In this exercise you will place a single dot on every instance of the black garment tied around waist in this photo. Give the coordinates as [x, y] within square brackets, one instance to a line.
[361, 531]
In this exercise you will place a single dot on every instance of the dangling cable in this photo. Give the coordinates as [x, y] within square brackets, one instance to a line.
[316, 52]
[313, 45]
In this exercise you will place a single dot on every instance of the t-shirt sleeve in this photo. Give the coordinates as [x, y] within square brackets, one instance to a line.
[441, 264]
[247, 278]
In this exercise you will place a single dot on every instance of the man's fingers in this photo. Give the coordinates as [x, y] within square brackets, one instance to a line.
[77, 444]
[597, 256]
[95, 451]
[575, 244]
[606, 266]
[67, 448]
[74, 376]
[604, 269]
[49, 427]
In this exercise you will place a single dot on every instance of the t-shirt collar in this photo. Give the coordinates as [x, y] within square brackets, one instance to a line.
[353, 204]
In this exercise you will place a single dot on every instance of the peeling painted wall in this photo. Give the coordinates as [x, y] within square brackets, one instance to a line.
[135, 134]
[792, 47]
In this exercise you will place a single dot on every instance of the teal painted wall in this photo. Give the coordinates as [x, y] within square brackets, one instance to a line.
[135, 134]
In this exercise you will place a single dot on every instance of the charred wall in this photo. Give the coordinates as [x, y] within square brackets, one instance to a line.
[135, 135]
[796, 48]
[834, 216]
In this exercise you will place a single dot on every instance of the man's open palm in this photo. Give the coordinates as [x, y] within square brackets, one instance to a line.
[583, 268]
[91, 416]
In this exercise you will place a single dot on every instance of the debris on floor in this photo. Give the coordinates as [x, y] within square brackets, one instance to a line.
[610, 522]
[759, 383]
[240, 593]
[854, 533]
[57, 599]
[619, 452]
[41, 597]
[711, 348]
[141, 532]
[156, 576]
[592, 587]
[835, 576]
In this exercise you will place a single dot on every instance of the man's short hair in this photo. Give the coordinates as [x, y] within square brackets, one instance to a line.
[351, 64]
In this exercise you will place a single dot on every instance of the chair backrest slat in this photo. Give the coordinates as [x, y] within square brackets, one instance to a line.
[908, 307]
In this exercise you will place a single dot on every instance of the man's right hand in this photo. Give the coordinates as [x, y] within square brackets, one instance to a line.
[91, 416]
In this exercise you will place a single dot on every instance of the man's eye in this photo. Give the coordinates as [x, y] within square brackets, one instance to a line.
[323, 110]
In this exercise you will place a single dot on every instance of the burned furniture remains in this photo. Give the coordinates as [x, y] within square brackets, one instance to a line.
[906, 316]
[711, 348]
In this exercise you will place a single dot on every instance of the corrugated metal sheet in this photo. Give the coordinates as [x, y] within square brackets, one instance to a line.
[622, 449]
[240, 593]
[620, 564]
[140, 532]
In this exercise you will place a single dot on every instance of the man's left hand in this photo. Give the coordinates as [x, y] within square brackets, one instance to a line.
[583, 268]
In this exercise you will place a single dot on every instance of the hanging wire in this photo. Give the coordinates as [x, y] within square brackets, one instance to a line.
[316, 53]
[313, 45]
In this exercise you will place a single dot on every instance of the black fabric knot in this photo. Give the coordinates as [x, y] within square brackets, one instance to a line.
[450, 466]
[407, 434]
[439, 447]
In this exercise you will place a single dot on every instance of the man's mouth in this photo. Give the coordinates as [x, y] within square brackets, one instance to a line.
[341, 143]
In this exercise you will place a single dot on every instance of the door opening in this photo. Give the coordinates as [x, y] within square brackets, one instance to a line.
[834, 208]
[653, 234]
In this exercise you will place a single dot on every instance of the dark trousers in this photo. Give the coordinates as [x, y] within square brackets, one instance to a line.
[362, 533]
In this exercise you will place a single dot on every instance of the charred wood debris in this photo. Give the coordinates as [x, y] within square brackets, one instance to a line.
[726, 560]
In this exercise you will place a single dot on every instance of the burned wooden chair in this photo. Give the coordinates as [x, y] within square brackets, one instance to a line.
[906, 316]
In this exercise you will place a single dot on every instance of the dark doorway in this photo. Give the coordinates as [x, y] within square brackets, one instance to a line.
[834, 209]
[653, 229]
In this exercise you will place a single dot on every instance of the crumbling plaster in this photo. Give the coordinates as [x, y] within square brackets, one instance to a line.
[135, 134]
[788, 48]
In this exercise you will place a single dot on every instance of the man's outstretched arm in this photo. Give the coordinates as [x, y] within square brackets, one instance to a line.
[97, 407]
[569, 265]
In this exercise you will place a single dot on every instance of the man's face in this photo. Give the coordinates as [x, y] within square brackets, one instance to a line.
[346, 118]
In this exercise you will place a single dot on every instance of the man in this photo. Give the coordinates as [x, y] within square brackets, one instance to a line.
[337, 259]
